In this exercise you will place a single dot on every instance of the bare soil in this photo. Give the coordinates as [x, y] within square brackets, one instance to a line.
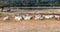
[12, 25]
[50, 25]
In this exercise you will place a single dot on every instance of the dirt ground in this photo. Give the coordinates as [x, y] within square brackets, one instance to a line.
[12, 25]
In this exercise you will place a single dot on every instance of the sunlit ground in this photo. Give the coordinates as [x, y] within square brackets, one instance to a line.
[12, 25]
[50, 25]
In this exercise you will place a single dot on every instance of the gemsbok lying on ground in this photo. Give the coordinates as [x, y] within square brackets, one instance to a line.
[6, 18]
[48, 16]
[27, 17]
[38, 17]
[18, 18]
[57, 17]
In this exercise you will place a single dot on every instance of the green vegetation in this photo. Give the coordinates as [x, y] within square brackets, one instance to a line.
[3, 4]
[2, 15]
[32, 2]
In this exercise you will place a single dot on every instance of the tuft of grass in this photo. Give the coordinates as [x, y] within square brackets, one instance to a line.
[2, 15]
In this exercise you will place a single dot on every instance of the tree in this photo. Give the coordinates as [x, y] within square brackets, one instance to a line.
[3, 4]
[32, 2]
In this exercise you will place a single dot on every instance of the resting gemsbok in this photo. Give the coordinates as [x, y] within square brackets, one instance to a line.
[6, 18]
[57, 17]
[27, 17]
[38, 17]
[18, 18]
[48, 16]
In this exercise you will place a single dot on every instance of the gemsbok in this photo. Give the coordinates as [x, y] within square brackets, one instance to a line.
[57, 17]
[48, 16]
[18, 18]
[38, 17]
[6, 18]
[27, 17]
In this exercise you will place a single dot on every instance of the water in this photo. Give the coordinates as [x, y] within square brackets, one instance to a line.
[30, 8]
[37, 8]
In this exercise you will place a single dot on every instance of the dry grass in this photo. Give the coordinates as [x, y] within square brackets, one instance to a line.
[35, 11]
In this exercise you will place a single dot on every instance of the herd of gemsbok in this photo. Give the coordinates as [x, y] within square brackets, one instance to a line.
[36, 17]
